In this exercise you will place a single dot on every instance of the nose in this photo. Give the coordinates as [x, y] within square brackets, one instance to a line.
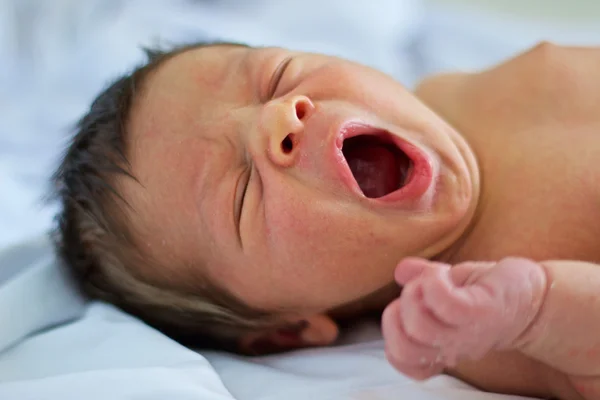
[286, 126]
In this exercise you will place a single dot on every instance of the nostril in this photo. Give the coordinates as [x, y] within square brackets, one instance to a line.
[300, 109]
[287, 145]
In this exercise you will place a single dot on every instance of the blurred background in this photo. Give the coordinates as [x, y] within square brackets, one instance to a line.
[560, 11]
[55, 56]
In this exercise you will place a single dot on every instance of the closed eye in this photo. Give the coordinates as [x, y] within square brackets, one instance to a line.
[240, 195]
[276, 78]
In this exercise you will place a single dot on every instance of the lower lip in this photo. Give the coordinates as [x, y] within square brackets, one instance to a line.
[419, 180]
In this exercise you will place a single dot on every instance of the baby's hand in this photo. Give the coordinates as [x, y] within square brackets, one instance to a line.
[446, 314]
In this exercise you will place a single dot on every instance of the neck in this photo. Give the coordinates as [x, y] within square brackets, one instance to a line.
[450, 254]
[462, 233]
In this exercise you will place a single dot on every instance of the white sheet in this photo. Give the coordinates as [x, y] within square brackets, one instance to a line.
[354, 370]
[55, 346]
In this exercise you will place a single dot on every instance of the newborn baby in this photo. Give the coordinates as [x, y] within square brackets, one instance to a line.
[254, 198]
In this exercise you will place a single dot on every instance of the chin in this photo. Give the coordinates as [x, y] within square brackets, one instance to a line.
[372, 303]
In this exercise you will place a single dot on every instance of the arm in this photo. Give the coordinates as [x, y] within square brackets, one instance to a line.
[566, 331]
[549, 312]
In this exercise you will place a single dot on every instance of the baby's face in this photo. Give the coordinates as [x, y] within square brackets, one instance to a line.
[296, 181]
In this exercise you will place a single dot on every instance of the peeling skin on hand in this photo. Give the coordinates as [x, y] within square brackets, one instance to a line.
[462, 312]
[546, 311]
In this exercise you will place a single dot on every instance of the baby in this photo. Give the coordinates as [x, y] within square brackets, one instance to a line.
[255, 198]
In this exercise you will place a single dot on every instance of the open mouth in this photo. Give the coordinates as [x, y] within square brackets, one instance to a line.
[378, 165]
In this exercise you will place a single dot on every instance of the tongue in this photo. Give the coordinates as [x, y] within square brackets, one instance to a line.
[375, 169]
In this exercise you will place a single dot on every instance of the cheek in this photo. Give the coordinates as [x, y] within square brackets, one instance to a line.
[298, 230]
[323, 253]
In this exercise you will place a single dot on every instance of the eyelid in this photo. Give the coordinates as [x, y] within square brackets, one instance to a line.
[277, 76]
[240, 195]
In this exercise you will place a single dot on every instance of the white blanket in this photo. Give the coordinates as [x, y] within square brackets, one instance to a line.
[56, 55]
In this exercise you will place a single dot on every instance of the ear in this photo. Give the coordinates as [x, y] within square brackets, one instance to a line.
[317, 330]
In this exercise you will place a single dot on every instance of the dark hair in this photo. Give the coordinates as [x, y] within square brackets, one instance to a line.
[92, 235]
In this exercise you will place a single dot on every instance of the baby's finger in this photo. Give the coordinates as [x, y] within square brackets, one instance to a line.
[407, 356]
[419, 322]
[411, 267]
[416, 373]
[447, 302]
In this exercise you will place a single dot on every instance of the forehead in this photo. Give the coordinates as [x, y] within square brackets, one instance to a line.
[169, 134]
[182, 97]
[204, 75]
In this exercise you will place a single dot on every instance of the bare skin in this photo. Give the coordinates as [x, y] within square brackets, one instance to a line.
[543, 311]
[538, 320]
[531, 124]
[219, 194]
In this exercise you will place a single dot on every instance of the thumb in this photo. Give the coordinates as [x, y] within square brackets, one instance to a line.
[412, 267]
